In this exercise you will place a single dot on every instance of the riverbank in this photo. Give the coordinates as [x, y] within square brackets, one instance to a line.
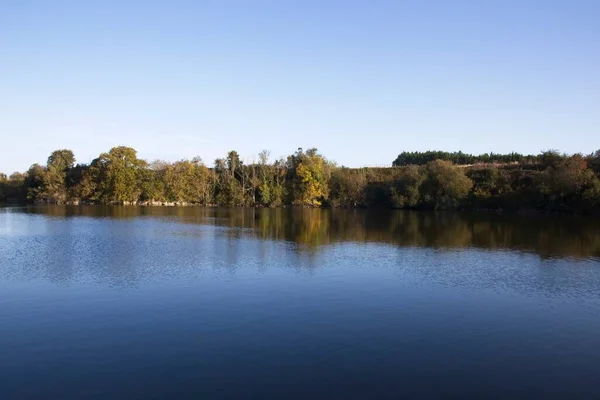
[554, 183]
[524, 212]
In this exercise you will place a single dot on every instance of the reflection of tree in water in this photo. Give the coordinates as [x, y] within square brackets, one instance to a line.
[548, 236]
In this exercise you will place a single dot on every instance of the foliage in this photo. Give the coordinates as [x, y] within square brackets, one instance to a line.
[271, 184]
[3, 186]
[309, 174]
[549, 181]
[348, 187]
[570, 184]
[55, 176]
[406, 189]
[444, 185]
[114, 176]
[187, 181]
[460, 158]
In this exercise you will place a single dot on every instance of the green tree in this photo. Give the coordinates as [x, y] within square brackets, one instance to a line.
[55, 179]
[74, 179]
[270, 181]
[187, 181]
[550, 158]
[16, 190]
[35, 184]
[594, 162]
[114, 176]
[488, 182]
[444, 185]
[229, 190]
[151, 185]
[405, 191]
[348, 187]
[3, 183]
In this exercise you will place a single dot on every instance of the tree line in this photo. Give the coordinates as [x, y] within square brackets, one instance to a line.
[550, 181]
[460, 158]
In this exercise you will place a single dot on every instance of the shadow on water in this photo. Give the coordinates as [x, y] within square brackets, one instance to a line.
[546, 236]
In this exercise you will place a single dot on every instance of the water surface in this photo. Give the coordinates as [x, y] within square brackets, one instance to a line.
[126, 302]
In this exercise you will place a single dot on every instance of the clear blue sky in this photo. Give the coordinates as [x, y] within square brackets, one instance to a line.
[359, 80]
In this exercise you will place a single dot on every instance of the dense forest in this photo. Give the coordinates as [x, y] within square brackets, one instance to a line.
[460, 158]
[549, 181]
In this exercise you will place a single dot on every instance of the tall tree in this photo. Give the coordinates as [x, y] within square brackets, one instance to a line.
[114, 176]
[55, 180]
[229, 190]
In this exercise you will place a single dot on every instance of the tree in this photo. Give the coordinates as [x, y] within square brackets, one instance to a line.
[228, 177]
[570, 184]
[114, 176]
[309, 176]
[405, 191]
[444, 185]
[74, 179]
[187, 181]
[3, 182]
[35, 184]
[268, 181]
[550, 158]
[55, 179]
[488, 182]
[61, 160]
[151, 184]
[233, 162]
[429, 179]
[15, 188]
[347, 187]
[594, 162]
[459, 158]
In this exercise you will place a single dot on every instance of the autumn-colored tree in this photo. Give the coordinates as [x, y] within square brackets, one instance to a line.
[309, 178]
[570, 184]
[550, 181]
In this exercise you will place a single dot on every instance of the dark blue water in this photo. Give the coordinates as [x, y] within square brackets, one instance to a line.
[208, 303]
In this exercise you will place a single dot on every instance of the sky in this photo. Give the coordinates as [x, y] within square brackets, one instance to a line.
[359, 80]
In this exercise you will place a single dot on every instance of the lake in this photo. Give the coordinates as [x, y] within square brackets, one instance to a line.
[130, 302]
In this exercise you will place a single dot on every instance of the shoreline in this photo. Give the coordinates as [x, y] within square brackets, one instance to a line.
[525, 212]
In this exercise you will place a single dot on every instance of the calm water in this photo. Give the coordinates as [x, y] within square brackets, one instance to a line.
[130, 302]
